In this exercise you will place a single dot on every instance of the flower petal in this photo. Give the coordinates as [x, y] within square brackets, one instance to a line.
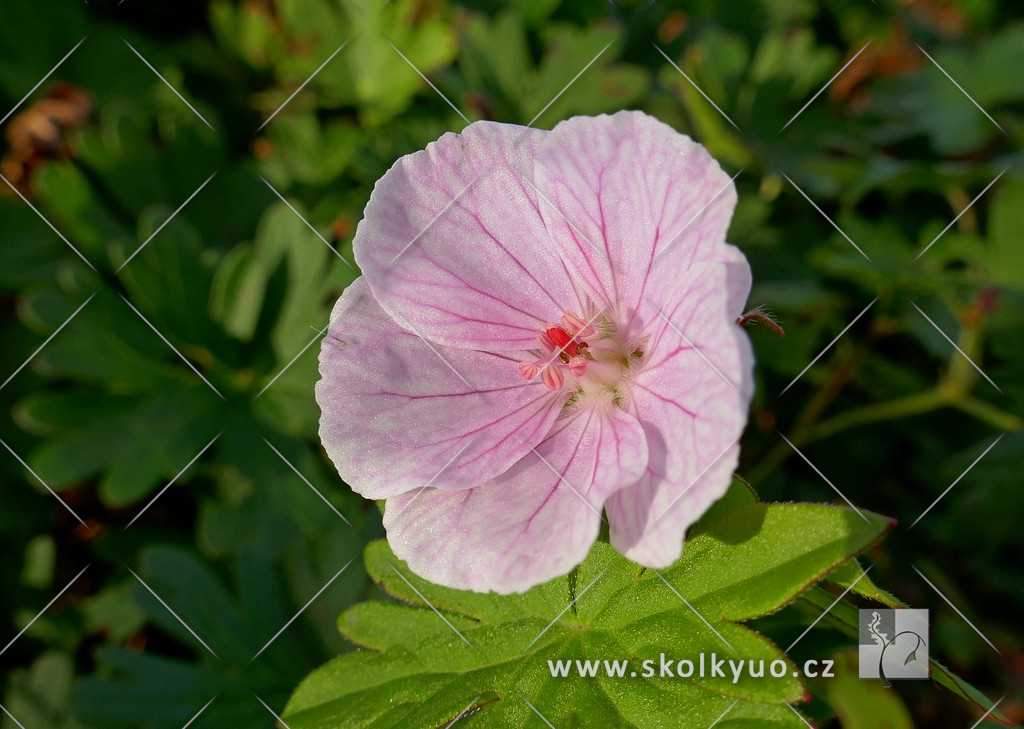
[692, 399]
[399, 413]
[630, 203]
[452, 242]
[532, 523]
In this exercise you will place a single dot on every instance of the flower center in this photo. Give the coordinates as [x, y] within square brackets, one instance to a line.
[590, 358]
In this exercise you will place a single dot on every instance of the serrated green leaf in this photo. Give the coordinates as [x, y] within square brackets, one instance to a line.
[851, 573]
[767, 554]
[843, 617]
[447, 649]
[740, 493]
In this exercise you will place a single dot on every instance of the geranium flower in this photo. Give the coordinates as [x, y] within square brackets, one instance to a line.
[544, 332]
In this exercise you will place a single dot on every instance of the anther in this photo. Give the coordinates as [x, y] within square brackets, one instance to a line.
[578, 365]
[527, 370]
[552, 377]
[577, 326]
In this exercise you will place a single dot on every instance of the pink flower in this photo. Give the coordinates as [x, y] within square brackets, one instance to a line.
[544, 333]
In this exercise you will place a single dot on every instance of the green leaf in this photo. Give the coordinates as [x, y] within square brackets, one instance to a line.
[767, 554]
[506, 83]
[851, 573]
[843, 617]
[1004, 260]
[740, 493]
[863, 704]
[39, 695]
[447, 651]
[234, 618]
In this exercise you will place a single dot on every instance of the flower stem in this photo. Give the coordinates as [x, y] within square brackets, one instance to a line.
[988, 413]
[915, 404]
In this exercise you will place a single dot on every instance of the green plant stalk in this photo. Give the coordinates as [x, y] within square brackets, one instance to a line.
[915, 404]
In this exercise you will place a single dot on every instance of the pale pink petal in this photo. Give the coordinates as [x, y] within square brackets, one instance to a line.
[531, 524]
[400, 413]
[692, 399]
[631, 203]
[738, 279]
[453, 244]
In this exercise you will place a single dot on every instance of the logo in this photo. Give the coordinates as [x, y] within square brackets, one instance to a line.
[893, 644]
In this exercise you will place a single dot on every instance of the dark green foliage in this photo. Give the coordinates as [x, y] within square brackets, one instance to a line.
[108, 413]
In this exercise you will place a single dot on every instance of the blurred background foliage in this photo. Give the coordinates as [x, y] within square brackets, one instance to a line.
[109, 415]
